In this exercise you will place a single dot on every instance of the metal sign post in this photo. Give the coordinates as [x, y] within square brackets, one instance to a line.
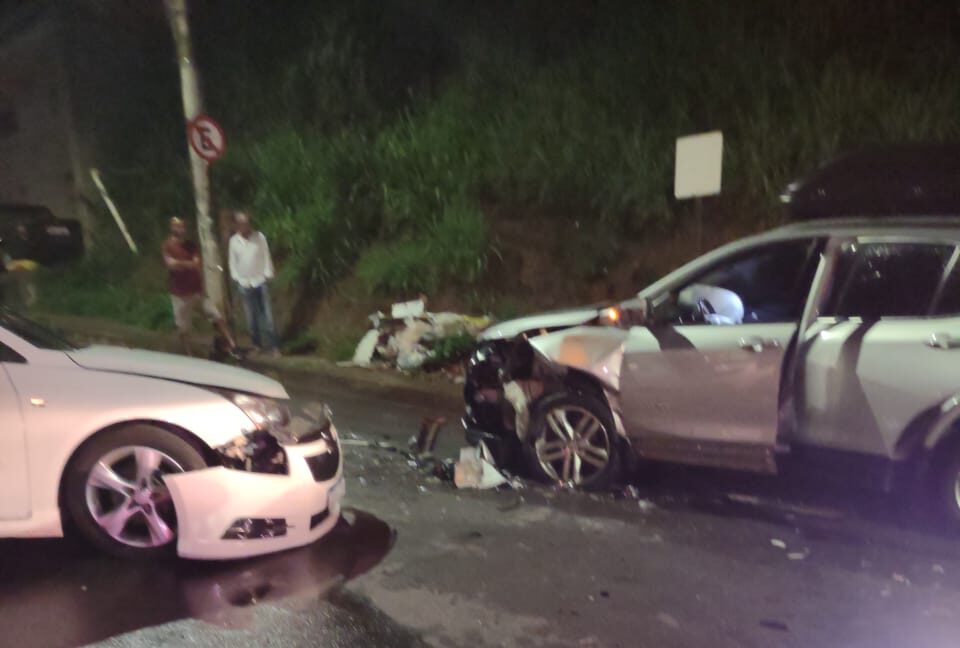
[207, 134]
[698, 172]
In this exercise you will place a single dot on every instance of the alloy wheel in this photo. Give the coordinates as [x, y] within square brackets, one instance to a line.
[127, 498]
[575, 446]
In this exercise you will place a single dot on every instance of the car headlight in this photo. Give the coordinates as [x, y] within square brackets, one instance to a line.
[265, 413]
[612, 316]
[257, 450]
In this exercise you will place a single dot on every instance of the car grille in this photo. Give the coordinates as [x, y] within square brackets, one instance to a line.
[324, 466]
[318, 518]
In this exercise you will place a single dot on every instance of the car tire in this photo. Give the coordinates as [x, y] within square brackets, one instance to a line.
[573, 441]
[947, 493]
[114, 494]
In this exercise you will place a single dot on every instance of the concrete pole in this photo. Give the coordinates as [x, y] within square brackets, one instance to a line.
[193, 106]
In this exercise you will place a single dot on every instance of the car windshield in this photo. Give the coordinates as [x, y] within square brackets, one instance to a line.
[37, 335]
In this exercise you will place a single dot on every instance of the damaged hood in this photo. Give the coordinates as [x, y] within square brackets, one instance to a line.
[177, 368]
[540, 321]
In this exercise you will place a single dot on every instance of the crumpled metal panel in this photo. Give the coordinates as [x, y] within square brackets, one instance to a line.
[595, 350]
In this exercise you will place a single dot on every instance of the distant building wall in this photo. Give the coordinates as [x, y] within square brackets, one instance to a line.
[40, 153]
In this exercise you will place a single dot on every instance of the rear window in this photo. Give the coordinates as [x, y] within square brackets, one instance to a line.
[888, 279]
[948, 301]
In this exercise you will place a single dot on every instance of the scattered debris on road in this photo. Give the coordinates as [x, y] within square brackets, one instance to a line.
[426, 440]
[476, 469]
[778, 543]
[668, 620]
[900, 578]
[412, 338]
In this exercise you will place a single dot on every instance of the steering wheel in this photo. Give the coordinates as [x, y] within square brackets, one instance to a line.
[704, 308]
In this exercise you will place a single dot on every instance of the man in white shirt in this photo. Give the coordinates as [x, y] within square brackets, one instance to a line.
[251, 268]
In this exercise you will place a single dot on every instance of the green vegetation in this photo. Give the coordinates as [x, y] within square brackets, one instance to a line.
[113, 287]
[390, 140]
[448, 350]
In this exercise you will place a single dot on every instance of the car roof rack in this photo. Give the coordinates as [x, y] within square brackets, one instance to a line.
[910, 180]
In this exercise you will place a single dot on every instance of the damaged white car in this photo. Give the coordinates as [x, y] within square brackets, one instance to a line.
[143, 453]
[828, 345]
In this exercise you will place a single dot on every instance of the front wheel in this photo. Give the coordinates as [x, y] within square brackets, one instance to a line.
[574, 442]
[115, 493]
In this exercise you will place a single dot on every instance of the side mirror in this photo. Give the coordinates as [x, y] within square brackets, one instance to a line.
[636, 311]
[712, 304]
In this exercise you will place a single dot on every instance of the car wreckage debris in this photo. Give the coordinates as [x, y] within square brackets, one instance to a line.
[476, 469]
[426, 440]
[409, 337]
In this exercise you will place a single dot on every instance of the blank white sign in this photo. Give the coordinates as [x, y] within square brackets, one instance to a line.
[699, 165]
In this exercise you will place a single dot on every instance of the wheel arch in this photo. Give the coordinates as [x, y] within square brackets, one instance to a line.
[209, 454]
[928, 440]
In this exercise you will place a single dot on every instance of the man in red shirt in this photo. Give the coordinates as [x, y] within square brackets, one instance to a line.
[182, 258]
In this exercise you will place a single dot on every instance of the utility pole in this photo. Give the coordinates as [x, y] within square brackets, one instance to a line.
[192, 107]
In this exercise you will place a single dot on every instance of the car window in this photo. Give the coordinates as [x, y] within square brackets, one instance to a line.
[9, 355]
[772, 280]
[948, 299]
[887, 279]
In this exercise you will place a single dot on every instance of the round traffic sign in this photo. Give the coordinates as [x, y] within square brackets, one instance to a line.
[206, 138]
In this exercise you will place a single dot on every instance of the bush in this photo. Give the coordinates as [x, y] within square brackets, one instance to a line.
[451, 251]
[118, 287]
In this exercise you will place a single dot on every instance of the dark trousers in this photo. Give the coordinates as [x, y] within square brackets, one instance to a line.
[256, 304]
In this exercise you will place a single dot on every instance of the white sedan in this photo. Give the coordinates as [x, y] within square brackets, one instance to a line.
[145, 452]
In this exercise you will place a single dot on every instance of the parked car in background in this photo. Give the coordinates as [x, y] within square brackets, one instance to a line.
[144, 452]
[829, 345]
[51, 240]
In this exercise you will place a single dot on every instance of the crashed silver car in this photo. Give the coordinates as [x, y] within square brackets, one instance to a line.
[831, 345]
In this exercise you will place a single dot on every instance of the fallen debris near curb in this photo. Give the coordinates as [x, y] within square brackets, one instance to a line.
[410, 337]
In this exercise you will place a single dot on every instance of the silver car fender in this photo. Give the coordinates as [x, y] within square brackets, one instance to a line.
[592, 350]
[595, 350]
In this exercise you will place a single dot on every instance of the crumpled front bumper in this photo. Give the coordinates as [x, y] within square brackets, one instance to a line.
[209, 501]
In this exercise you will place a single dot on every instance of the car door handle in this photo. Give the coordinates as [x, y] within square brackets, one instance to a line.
[758, 344]
[943, 341]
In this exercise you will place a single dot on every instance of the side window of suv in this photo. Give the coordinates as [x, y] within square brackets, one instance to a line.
[771, 280]
[888, 279]
[947, 301]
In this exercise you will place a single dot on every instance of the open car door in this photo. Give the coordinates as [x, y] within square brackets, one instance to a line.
[701, 384]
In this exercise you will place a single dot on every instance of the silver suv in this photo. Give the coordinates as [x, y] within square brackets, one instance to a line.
[832, 345]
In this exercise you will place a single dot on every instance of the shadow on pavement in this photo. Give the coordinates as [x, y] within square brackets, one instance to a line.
[62, 593]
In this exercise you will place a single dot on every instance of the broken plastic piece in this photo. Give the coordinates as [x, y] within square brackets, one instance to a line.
[402, 310]
[365, 350]
[476, 469]
[426, 440]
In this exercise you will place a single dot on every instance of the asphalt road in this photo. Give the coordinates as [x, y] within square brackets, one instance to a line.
[700, 559]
